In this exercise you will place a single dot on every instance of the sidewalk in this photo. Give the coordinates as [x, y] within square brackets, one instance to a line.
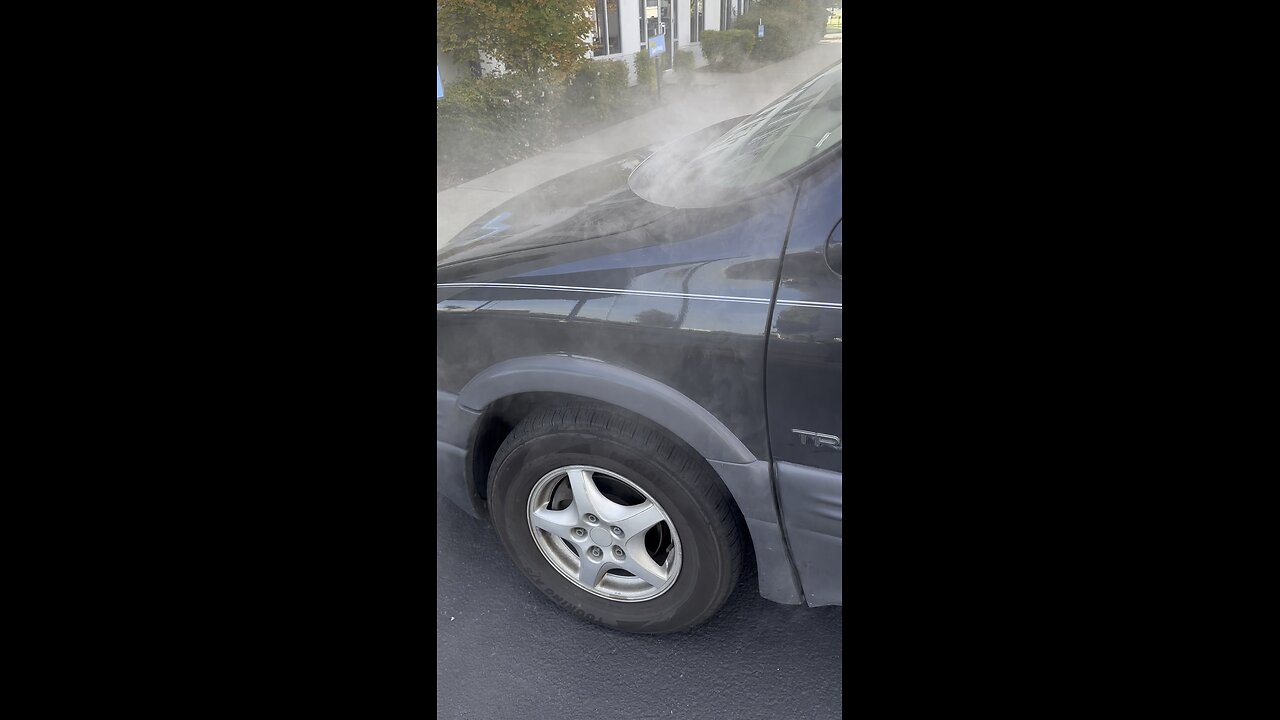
[685, 108]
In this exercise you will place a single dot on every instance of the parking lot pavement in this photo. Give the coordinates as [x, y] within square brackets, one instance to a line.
[506, 651]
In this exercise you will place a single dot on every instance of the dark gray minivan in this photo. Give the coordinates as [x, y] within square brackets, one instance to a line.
[638, 371]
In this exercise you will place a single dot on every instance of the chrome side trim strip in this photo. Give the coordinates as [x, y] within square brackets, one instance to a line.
[612, 291]
[642, 293]
[811, 303]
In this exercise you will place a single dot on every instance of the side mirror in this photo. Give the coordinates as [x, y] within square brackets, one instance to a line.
[834, 248]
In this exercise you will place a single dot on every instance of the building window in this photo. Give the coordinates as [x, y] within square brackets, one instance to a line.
[608, 35]
[730, 10]
[648, 21]
[698, 22]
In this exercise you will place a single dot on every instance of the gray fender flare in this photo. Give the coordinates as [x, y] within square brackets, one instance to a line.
[748, 478]
[600, 381]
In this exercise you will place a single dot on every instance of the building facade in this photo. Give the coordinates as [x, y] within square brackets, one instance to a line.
[623, 29]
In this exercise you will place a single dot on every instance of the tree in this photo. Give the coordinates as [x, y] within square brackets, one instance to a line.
[527, 36]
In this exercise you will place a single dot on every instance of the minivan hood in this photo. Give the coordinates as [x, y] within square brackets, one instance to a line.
[591, 202]
[594, 201]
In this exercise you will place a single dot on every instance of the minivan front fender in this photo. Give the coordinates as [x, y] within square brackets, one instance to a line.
[748, 478]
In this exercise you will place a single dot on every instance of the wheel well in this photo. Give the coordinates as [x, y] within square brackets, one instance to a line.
[496, 422]
[502, 415]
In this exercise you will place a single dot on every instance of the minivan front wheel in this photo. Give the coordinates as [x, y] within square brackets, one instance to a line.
[614, 521]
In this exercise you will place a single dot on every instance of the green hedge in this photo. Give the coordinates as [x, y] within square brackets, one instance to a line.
[790, 26]
[483, 124]
[595, 91]
[685, 63]
[646, 78]
[728, 49]
[486, 123]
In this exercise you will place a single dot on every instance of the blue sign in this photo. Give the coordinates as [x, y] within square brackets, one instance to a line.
[760, 30]
[439, 85]
[657, 45]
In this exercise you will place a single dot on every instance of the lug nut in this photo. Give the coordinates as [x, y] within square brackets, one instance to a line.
[579, 532]
[617, 552]
[595, 552]
[616, 531]
[592, 518]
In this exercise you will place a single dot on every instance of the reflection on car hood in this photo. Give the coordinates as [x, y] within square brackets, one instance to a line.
[583, 204]
[592, 202]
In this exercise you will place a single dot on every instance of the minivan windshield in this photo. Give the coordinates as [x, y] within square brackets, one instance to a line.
[801, 124]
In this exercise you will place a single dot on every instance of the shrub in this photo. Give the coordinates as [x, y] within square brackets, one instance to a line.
[483, 124]
[789, 27]
[728, 49]
[595, 92]
[685, 63]
[487, 123]
[646, 78]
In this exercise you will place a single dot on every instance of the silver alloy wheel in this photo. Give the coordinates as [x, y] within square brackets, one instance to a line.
[633, 575]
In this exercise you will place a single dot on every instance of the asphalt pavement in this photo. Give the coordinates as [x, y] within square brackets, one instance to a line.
[506, 651]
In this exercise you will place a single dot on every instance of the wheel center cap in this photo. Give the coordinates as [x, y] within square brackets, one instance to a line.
[601, 537]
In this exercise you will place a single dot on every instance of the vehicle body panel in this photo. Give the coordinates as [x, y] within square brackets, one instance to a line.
[805, 390]
[664, 301]
[806, 343]
[813, 508]
[684, 300]
[581, 287]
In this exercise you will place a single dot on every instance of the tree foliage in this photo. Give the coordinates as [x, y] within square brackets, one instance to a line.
[532, 37]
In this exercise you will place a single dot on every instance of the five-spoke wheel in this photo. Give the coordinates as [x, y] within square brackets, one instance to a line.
[601, 539]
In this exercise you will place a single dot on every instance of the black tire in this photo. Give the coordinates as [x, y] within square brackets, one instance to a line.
[682, 483]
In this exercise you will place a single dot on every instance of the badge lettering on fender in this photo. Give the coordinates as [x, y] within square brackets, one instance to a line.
[819, 440]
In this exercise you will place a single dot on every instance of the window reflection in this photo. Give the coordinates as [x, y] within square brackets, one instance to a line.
[607, 38]
[534, 306]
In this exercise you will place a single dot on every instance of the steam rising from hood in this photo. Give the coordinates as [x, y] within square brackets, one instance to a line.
[687, 109]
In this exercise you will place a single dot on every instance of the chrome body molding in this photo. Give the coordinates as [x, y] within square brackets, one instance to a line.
[641, 293]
